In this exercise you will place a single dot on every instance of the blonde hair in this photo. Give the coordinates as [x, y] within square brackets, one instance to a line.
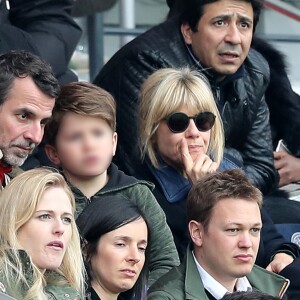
[165, 92]
[18, 203]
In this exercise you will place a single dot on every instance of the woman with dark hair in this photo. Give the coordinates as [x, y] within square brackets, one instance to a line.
[115, 235]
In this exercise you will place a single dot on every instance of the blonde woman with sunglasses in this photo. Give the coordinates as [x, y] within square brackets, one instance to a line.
[181, 139]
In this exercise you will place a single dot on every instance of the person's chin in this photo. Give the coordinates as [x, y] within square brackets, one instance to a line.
[195, 154]
[223, 69]
[53, 264]
[244, 271]
[91, 173]
[127, 285]
[14, 160]
[228, 70]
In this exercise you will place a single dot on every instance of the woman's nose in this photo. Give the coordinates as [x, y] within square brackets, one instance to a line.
[192, 129]
[134, 255]
[59, 227]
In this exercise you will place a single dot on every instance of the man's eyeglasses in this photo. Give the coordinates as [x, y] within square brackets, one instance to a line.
[179, 122]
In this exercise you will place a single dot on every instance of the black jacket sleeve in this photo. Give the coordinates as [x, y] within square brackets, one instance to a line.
[50, 25]
[283, 102]
[272, 242]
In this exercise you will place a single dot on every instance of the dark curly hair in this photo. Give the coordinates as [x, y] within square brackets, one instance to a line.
[190, 11]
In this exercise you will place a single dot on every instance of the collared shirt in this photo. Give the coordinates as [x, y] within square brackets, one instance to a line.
[215, 288]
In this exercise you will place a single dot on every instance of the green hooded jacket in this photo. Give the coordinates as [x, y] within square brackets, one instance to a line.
[163, 253]
[55, 292]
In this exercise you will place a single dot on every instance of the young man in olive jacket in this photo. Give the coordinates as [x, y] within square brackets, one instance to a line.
[224, 224]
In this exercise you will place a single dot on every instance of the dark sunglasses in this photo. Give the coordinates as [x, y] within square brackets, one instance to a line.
[179, 122]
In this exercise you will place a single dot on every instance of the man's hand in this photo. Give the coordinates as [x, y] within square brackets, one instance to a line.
[195, 169]
[288, 167]
[279, 262]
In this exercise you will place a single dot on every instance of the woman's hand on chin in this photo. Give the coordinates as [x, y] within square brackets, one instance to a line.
[197, 167]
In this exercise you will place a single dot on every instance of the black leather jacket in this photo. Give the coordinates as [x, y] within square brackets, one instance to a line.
[43, 27]
[242, 105]
[283, 102]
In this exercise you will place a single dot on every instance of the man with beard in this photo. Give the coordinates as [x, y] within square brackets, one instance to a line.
[28, 90]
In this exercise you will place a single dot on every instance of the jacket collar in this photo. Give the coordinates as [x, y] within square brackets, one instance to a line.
[211, 75]
[117, 180]
[259, 278]
[174, 186]
[193, 284]
[272, 283]
[25, 261]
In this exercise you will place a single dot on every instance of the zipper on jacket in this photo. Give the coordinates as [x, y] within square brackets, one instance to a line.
[218, 94]
[216, 90]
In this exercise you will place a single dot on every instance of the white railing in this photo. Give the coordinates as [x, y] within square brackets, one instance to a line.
[284, 8]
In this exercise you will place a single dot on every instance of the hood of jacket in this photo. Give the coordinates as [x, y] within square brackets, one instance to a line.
[118, 181]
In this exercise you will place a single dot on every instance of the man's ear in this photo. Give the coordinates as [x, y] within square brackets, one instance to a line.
[196, 232]
[52, 154]
[186, 31]
[115, 142]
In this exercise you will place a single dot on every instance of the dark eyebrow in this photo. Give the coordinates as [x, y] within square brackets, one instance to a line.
[127, 238]
[143, 242]
[45, 120]
[22, 110]
[225, 17]
[245, 19]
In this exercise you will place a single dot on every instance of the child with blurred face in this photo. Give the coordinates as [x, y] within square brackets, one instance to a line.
[81, 139]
